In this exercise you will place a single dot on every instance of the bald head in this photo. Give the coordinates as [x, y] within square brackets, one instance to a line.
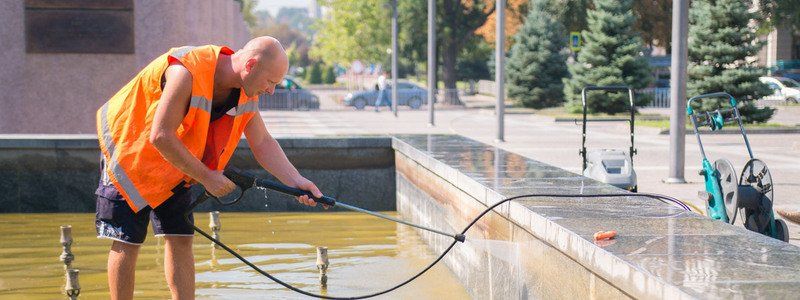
[261, 63]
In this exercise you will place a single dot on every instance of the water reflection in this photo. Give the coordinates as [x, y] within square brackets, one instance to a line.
[366, 255]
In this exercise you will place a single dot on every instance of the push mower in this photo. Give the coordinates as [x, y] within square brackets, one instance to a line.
[612, 166]
[751, 196]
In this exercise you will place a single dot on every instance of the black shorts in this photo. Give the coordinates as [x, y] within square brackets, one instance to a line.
[116, 220]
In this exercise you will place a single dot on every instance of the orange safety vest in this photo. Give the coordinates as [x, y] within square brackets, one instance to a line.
[135, 167]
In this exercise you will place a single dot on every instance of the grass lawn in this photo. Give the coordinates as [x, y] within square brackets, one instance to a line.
[664, 124]
[644, 120]
[562, 113]
[440, 84]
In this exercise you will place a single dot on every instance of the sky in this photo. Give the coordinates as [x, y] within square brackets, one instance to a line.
[274, 5]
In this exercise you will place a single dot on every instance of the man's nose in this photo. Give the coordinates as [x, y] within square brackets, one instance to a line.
[270, 90]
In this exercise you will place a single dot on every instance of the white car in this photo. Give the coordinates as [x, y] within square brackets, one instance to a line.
[784, 89]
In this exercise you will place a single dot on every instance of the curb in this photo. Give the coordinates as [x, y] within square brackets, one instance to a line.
[748, 131]
[570, 120]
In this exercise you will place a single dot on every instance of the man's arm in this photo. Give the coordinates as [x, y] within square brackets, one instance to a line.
[169, 114]
[271, 157]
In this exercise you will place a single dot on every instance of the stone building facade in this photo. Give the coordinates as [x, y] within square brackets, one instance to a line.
[58, 92]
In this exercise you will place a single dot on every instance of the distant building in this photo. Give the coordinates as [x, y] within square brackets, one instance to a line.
[314, 9]
[781, 54]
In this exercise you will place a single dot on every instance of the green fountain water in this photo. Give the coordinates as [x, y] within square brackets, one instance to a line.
[366, 255]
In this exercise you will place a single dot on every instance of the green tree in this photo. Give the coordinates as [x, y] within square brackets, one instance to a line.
[314, 76]
[654, 22]
[352, 30]
[472, 62]
[611, 55]
[330, 75]
[293, 55]
[779, 12]
[537, 64]
[459, 19]
[720, 41]
[248, 7]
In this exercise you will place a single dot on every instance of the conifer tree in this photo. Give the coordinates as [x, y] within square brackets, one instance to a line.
[611, 55]
[538, 61]
[720, 42]
[314, 75]
[330, 75]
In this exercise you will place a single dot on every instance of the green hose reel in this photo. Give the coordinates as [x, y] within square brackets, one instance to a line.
[715, 120]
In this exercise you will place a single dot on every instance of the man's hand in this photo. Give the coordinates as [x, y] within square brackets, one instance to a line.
[218, 185]
[306, 185]
[269, 155]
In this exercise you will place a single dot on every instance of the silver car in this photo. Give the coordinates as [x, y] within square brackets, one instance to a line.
[784, 89]
[289, 95]
[408, 94]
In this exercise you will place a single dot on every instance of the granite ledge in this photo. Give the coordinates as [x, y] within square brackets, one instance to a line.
[643, 263]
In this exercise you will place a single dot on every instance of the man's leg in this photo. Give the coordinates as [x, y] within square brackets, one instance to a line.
[169, 221]
[179, 266]
[379, 101]
[122, 269]
[115, 220]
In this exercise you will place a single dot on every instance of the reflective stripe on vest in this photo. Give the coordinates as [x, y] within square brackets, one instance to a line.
[113, 166]
[200, 102]
[248, 107]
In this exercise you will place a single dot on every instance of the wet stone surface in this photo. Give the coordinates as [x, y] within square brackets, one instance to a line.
[660, 251]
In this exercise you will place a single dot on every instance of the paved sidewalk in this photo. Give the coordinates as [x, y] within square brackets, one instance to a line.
[541, 139]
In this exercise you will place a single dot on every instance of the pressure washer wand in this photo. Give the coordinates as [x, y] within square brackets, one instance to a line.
[332, 202]
[245, 181]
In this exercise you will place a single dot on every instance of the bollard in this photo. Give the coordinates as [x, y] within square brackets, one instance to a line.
[322, 265]
[72, 289]
[215, 225]
[66, 242]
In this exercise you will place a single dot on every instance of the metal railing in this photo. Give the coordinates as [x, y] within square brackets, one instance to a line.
[486, 87]
[289, 100]
[659, 97]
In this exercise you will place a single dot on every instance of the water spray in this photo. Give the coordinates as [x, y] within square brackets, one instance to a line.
[246, 181]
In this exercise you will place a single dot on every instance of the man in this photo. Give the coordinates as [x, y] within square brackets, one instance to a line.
[175, 124]
[383, 84]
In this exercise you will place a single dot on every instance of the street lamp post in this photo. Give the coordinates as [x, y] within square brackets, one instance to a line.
[394, 57]
[431, 59]
[499, 68]
[677, 91]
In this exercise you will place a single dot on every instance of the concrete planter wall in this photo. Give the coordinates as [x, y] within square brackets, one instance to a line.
[60, 173]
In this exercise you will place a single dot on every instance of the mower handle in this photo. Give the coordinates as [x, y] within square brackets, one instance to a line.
[607, 88]
[690, 110]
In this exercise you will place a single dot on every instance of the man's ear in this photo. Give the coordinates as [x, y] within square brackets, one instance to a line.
[250, 65]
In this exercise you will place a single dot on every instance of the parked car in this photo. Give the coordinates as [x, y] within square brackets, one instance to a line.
[408, 94]
[792, 76]
[784, 89]
[289, 95]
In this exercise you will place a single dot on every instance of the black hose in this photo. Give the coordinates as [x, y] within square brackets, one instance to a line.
[662, 198]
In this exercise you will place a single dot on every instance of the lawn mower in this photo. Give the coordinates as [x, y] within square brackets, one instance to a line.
[612, 166]
[750, 198]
